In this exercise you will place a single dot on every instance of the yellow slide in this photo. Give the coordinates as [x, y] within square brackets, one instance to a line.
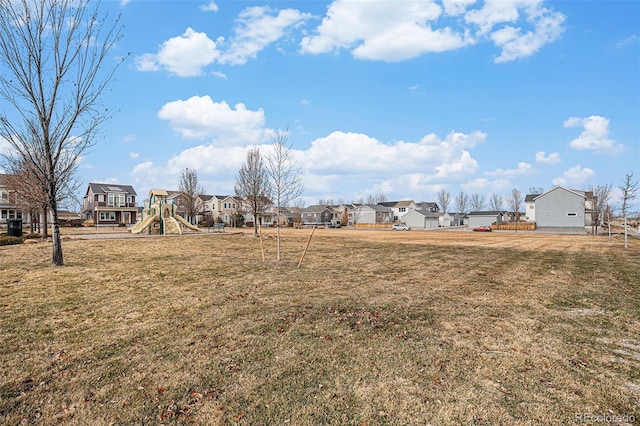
[185, 223]
[142, 225]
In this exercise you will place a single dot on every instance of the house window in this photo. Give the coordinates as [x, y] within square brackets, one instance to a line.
[572, 214]
[4, 214]
[107, 216]
[532, 206]
[111, 199]
[129, 199]
[4, 196]
[101, 198]
[402, 209]
[122, 198]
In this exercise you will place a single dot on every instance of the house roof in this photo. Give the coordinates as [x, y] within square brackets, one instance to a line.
[103, 188]
[375, 207]
[318, 208]
[530, 197]
[402, 203]
[485, 213]
[574, 191]
[424, 213]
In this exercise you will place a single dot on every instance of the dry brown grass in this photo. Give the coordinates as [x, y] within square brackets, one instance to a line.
[377, 327]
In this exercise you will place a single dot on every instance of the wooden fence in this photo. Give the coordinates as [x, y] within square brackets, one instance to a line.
[373, 225]
[513, 226]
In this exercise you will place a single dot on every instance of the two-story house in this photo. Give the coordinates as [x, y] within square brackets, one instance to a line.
[217, 208]
[110, 204]
[9, 208]
[399, 208]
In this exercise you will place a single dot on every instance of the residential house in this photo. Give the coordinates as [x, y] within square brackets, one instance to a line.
[320, 215]
[421, 219]
[266, 217]
[429, 206]
[444, 219]
[561, 207]
[370, 214]
[217, 208]
[110, 204]
[530, 207]
[9, 206]
[399, 208]
[458, 219]
[484, 218]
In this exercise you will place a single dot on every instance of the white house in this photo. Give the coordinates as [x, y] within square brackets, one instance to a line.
[399, 208]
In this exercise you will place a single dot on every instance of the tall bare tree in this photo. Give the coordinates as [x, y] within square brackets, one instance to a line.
[443, 200]
[514, 201]
[190, 189]
[628, 191]
[462, 202]
[601, 199]
[495, 202]
[284, 177]
[477, 202]
[252, 184]
[54, 55]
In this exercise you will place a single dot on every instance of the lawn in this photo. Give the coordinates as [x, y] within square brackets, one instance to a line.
[375, 327]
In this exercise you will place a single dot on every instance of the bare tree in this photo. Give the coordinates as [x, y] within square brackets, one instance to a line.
[477, 202]
[536, 190]
[375, 199]
[190, 189]
[252, 184]
[285, 179]
[53, 55]
[601, 199]
[495, 202]
[628, 190]
[462, 202]
[514, 201]
[443, 200]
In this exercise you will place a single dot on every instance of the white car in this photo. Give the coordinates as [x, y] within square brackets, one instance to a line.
[399, 227]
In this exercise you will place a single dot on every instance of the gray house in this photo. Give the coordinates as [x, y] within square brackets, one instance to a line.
[420, 219]
[370, 214]
[563, 208]
[484, 218]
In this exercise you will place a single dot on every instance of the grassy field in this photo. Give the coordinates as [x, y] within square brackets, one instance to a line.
[376, 327]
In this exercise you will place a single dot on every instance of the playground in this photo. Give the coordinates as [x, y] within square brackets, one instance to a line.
[159, 217]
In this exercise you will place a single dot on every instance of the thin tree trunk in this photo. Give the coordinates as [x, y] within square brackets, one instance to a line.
[56, 255]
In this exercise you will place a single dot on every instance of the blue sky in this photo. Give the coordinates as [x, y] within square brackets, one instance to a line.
[401, 98]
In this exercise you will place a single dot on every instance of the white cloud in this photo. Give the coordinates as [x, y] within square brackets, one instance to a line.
[129, 138]
[396, 31]
[575, 176]
[629, 40]
[209, 7]
[388, 31]
[516, 44]
[134, 155]
[522, 169]
[351, 162]
[552, 158]
[199, 117]
[184, 56]
[456, 7]
[256, 28]
[595, 136]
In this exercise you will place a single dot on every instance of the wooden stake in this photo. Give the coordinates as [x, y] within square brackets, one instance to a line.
[261, 244]
[307, 247]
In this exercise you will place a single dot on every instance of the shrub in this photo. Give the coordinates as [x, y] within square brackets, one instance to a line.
[7, 241]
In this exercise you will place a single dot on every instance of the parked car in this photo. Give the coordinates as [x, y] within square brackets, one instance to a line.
[400, 227]
[482, 229]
